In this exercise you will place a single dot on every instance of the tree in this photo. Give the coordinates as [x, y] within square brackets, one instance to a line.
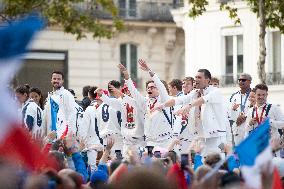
[75, 16]
[269, 12]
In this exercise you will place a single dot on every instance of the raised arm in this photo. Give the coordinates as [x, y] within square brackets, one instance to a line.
[161, 87]
[113, 102]
[132, 89]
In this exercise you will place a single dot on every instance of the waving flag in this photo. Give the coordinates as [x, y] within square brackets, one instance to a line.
[255, 152]
[15, 143]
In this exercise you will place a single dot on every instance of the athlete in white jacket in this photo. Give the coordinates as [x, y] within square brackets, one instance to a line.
[157, 127]
[65, 100]
[207, 111]
[110, 120]
[89, 130]
[30, 112]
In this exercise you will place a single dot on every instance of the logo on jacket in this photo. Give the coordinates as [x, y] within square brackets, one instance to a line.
[130, 124]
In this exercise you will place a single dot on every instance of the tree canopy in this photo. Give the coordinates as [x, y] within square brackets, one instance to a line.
[77, 17]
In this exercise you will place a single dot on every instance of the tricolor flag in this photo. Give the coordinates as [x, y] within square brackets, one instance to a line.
[254, 154]
[58, 120]
[15, 142]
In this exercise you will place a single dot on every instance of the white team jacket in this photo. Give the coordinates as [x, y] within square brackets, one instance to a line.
[213, 118]
[89, 129]
[275, 116]
[68, 105]
[132, 125]
[32, 116]
[238, 98]
[109, 121]
[157, 125]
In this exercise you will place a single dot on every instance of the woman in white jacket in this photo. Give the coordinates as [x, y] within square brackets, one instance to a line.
[30, 111]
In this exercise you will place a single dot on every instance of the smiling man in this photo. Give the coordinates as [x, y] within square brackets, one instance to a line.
[206, 111]
[66, 103]
[262, 110]
[239, 105]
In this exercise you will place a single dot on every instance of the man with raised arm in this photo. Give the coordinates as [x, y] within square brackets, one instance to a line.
[132, 116]
[206, 110]
[157, 127]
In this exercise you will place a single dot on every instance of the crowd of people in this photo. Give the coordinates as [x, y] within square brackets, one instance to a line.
[180, 134]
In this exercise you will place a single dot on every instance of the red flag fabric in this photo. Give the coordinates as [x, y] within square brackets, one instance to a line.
[277, 183]
[176, 175]
[18, 146]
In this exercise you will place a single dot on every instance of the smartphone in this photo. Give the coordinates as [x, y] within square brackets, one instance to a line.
[184, 160]
[150, 150]
[157, 154]
[118, 154]
[222, 147]
[192, 155]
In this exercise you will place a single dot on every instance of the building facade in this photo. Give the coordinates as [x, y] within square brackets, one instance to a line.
[214, 42]
[150, 33]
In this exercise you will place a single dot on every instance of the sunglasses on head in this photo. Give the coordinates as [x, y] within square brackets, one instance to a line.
[242, 80]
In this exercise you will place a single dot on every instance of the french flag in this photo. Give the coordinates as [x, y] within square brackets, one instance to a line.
[15, 142]
[255, 154]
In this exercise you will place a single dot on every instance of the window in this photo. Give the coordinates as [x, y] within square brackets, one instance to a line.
[233, 58]
[128, 57]
[127, 8]
[37, 69]
[275, 71]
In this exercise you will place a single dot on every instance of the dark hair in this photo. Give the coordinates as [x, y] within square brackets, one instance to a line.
[58, 72]
[38, 91]
[253, 90]
[261, 87]
[176, 83]
[114, 83]
[206, 73]
[85, 90]
[149, 81]
[91, 92]
[22, 89]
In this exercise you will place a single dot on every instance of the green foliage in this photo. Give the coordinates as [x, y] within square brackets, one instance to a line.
[233, 12]
[75, 16]
[198, 7]
[274, 11]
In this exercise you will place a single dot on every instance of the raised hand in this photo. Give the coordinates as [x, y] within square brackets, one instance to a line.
[115, 90]
[110, 143]
[123, 70]
[143, 65]
[99, 92]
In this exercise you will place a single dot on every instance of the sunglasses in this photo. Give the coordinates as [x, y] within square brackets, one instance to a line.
[242, 80]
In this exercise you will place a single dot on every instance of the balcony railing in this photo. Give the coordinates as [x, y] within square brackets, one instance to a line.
[144, 11]
[275, 78]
